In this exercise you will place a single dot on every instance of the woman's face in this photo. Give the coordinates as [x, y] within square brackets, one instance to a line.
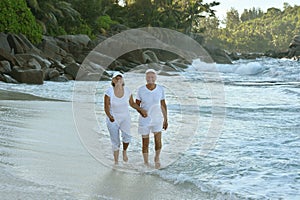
[150, 78]
[118, 80]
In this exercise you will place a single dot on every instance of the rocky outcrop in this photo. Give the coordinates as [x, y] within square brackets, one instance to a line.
[219, 55]
[54, 59]
[292, 52]
[75, 57]
[294, 48]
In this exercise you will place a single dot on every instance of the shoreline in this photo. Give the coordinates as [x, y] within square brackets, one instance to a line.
[12, 95]
[49, 152]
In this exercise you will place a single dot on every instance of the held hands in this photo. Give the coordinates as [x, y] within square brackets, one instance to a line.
[143, 113]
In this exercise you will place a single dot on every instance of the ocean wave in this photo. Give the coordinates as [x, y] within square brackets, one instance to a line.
[186, 180]
[251, 68]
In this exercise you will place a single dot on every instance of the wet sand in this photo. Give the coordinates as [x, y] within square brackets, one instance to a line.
[49, 161]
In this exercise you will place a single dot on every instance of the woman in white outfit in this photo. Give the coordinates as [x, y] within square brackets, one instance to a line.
[116, 106]
[151, 97]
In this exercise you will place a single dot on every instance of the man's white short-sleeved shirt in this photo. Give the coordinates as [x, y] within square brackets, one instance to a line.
[151, 102]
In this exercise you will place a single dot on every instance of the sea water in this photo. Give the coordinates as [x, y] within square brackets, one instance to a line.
[244, 145]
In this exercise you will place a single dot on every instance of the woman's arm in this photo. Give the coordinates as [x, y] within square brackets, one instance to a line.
[107, 108]
[136, 105]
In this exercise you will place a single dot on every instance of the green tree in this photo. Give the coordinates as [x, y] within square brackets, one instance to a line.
[192, 11]
[15, 17]
[90, 10]
[232, 19]
[56, 17]
[251, 14]
[258, 32]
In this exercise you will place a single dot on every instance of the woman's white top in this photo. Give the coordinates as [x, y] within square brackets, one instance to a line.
[119, 106]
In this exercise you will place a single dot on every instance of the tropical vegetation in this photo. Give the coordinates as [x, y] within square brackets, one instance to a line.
[251, 31]
[254, 30]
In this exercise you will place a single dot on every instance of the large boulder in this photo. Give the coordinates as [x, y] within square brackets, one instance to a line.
[4, 43]
[30, 76]
[32, 61]
[51, 50]
[7, 79]
[294, 47]
[218, 55]
[77, 45]
[51, 73]
[5, 67]
[20, 44]
[72, 69]
[5, 55]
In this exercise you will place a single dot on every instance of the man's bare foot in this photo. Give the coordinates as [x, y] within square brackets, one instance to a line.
[125, 158]
[157, 163]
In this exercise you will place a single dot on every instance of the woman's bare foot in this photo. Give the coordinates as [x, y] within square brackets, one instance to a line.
[157, 163]
[125, 158]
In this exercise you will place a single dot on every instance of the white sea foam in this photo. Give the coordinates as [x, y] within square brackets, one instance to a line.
[252, 68]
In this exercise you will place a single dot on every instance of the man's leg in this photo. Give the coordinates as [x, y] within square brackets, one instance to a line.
[158, 145]
[145, 148]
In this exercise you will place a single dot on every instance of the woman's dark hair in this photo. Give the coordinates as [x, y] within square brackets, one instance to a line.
[114, 84]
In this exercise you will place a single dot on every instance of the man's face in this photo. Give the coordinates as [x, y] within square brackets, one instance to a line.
[150, 77]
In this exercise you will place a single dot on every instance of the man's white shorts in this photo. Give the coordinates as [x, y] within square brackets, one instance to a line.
[146, 130]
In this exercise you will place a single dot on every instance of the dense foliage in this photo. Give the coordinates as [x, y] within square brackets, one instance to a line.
[96, 16]
[255, 31]
[15, 17]
[252, 31]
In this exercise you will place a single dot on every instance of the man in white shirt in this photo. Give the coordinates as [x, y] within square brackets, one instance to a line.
[151, 97]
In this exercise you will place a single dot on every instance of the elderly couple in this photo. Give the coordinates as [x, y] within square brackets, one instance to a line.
[150, 103]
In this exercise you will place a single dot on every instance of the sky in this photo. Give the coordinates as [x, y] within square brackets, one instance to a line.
[240, 5]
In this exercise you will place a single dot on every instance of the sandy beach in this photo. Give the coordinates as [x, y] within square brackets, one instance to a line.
[52, 149]
[48, 161]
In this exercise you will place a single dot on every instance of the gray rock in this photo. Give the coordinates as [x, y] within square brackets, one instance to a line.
[7, 79]
[5, 55]
[51, 49]
[5, 67]
[72, 69]
[59, 79]
[4, 43]
[30, 76]
[149, 57]
[33, 64]
[32, 61]
[51, 73]
[20, 44]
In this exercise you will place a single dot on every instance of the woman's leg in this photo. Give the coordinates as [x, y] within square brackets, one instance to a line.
[113, 129]
[116, 157]
[126, 136]
[125, 146]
